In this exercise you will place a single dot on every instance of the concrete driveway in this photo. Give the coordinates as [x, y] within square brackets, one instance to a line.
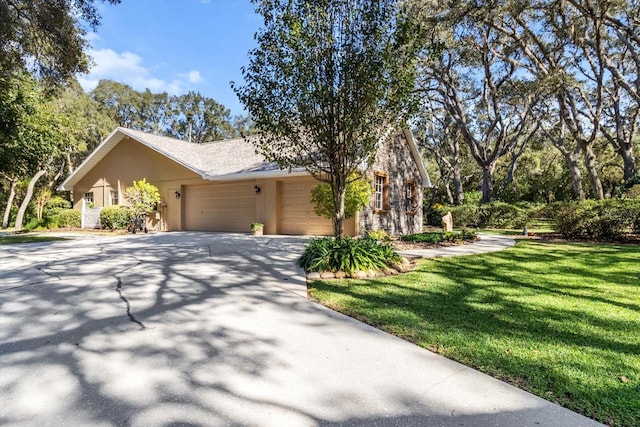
[206, 329]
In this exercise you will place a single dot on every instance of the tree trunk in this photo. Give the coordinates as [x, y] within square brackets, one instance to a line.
[449, 193]
[590, 164]
[339, 190]
[629, 162]
[576, 175]
[487, 182]
[512, 171]
[458, 194]
[27, 198]
[12, 195]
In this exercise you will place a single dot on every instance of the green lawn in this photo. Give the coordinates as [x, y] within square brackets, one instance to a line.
[559, 320]
[26, 238]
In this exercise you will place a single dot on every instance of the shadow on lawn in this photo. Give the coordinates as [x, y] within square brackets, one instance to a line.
[541, 316]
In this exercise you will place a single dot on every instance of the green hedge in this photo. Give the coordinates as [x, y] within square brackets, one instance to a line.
[490, 215]
[440, 236]
[54, 206]
[347, 254]
[115, 217]
[69, 218]
[597, 219]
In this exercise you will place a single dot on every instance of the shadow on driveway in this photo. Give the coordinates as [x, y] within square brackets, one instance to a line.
[203, 329]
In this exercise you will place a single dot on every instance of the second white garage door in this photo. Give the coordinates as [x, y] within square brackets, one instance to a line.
[229, 207]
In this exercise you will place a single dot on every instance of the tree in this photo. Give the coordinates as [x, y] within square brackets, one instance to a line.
[588, 52]
[46, 36]
[356, 197]
[191, 116]
[121, 102]
[439, 136]
[490, 102]
[199, 119]
[143, 197]
[85, 123]
[30, 138]
[328, 82]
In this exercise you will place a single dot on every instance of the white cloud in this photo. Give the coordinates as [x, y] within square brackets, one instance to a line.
[92, 36]
[194, 76]
[128, 68]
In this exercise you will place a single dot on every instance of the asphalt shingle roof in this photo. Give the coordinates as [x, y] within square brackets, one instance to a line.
[212, 159]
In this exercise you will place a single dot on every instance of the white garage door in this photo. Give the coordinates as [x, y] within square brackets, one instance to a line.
[227, 207]
[297, 214]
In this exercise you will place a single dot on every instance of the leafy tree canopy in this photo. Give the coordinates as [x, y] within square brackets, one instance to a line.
[327, 83]
[143, 196]
[46, 36]
[357, 195]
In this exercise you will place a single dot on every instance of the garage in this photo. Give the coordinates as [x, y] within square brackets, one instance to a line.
[297, 213]
[229, 207]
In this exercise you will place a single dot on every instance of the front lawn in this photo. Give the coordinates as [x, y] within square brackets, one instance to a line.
[561, 320]
[27, 238]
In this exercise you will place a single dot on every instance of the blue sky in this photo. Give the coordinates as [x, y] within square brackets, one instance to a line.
[174, 46]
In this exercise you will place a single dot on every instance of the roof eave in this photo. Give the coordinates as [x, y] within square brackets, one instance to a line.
[105, 147]
[415, 152]
[237, 176]
[90, 161]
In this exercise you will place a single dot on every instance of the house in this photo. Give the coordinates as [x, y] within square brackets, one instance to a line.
[225, 185]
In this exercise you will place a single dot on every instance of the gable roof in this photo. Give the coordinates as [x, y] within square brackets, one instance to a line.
[216, 161]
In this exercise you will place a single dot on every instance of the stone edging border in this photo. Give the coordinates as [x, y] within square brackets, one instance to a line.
[403, 266]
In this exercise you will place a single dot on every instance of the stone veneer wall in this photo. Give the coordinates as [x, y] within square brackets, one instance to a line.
[395, 159]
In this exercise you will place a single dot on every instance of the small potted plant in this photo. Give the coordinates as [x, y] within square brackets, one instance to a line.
[257, 228]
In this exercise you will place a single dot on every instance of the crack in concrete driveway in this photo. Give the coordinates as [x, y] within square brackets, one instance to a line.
[118, 289]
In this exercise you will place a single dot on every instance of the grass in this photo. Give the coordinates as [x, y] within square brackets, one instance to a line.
[24, 238]
[561, 320]
[539, 227]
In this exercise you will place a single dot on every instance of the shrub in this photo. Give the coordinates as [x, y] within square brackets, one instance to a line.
[440, 236]
[115, 217]
[428, 237]
[378, 235]
[69, 218]
[347, 254]
[602, 219]
[356, 197]
[492, 215]
[55, 205]
[633, 192]
[502, 215]
[433, 215]
[33, 224]
[143, 196]
[467, 215]
[472, 197]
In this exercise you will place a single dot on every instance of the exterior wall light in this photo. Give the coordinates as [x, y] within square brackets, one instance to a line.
[257, 189]
[177, 193]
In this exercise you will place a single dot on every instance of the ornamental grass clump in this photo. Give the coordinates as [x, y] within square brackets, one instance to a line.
[347, 254]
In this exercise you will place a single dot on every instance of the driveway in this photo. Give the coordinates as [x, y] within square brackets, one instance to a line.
[207, 329]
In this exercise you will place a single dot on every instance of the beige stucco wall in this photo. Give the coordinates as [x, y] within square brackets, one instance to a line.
[394, 159]
[131, 161]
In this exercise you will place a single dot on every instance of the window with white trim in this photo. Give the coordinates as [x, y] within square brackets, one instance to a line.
[381, 192]
[88, 197]
[115, 200]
